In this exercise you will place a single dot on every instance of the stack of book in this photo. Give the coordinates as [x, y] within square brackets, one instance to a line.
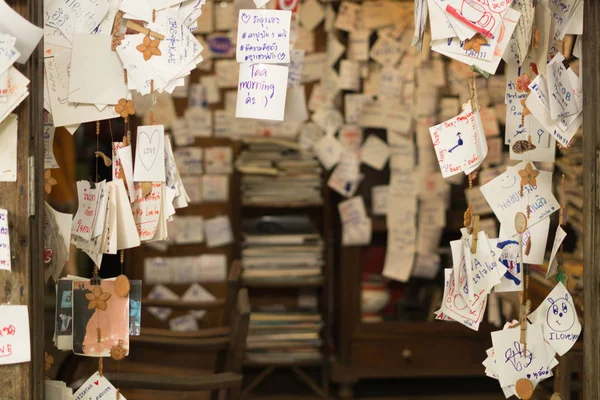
[275, 171]
[282, 249]
[287, 336]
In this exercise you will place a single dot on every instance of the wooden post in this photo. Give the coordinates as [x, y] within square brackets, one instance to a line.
[25, 283]
[591, 153]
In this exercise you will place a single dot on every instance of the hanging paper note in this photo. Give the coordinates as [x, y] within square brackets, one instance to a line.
[49, 130]
[4, 241]
[83, 222]
[97, 387]
[514, 362]
[150, 154]
[261, 91]
[456, 143]
[553, 262]
[8, 144]
[563, 100]
[147, 211]
[263, 36]
[558, 317]
[503, 195]
[14, 335]
[83, 16]
[485, 17]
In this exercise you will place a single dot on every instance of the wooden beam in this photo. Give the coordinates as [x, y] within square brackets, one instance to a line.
[591, 262]
[24, 284]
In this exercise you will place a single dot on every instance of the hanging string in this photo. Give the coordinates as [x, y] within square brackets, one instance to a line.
[97, 149]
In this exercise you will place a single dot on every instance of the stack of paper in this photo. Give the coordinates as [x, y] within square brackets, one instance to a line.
[288, 335]
[86, 78]
[277, 172]
[289, 252]
[553, 329]
[57, 390]
[471, 279]
[204, 268]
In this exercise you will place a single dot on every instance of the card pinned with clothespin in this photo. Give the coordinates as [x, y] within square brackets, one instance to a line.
[140, 29]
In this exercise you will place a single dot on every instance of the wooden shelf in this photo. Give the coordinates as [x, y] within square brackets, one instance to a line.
[291, 363]
[284, 284]
[292, 205]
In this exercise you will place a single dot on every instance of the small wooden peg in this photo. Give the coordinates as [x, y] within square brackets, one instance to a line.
[475, 234]
[556, 396]
[528, 246]
[138, 28]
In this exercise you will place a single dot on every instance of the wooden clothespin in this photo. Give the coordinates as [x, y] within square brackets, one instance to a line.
[475, 234]
[140, 29]
[473, 93]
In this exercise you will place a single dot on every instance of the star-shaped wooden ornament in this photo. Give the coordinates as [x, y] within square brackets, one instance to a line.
[97, 299]
[528, 175]
[149, 48]
[475, 43]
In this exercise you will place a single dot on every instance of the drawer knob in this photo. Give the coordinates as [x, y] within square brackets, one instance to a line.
[407, 354]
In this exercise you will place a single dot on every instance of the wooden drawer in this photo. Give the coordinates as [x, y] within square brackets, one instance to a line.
[420, 355]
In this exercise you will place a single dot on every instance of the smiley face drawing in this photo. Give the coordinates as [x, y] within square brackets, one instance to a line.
[560, 316]
[508, 181]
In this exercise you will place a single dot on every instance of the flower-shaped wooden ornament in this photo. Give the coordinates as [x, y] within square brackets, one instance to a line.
[149, 48]
[125, 107]
[522, 82]
[48, 361]
[97, 299]
[49, 181]
[529, 175]
[475, 43]
[117, 352]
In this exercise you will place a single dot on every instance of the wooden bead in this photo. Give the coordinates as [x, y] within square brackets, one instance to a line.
[122, 286]
[524, 388]
[555, 396]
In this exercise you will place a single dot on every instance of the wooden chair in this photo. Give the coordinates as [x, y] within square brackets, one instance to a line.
[162, 360]
[226, 377]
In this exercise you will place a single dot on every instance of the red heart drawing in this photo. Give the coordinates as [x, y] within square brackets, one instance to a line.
[96, 383]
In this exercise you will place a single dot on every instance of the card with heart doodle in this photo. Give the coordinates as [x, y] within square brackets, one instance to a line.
[97, 387]
[150, 154]
[264, 36]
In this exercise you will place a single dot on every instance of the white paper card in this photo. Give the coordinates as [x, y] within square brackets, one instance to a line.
[558, 317]
[150, 154]
[553, 262]
[14, 335]
[8, 143]
[218, 231]
[261, 91]
[263, 36]
[4, 241]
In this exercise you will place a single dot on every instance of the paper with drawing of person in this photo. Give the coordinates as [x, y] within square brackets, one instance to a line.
[558, 317]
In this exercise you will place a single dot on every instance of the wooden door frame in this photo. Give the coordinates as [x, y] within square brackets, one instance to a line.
[24, 200]
[591, 237]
